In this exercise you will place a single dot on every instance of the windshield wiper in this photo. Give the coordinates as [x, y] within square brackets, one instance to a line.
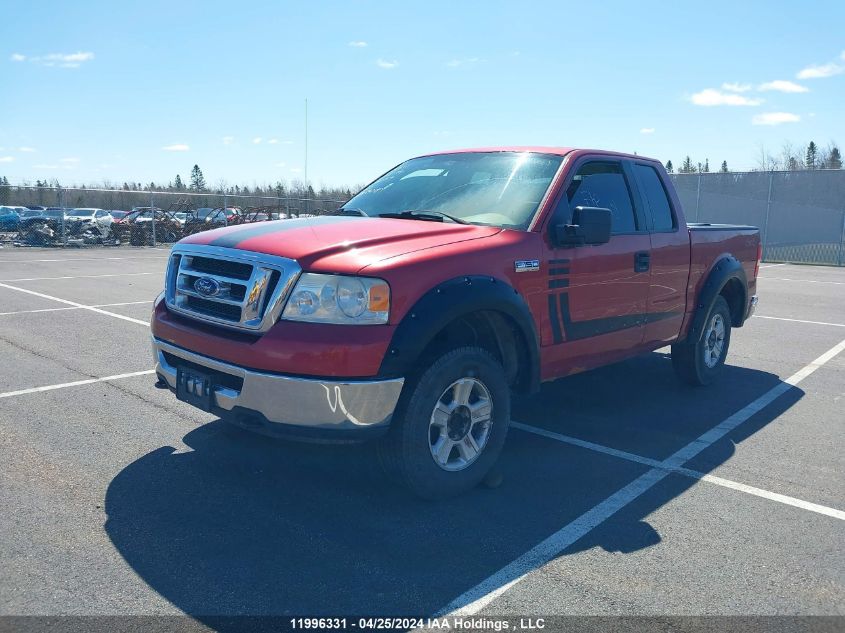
[432, 216]
[349, 211]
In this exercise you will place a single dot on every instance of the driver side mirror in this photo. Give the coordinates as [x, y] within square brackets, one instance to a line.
[590, 225]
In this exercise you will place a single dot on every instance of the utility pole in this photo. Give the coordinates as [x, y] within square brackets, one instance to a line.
[306, 155]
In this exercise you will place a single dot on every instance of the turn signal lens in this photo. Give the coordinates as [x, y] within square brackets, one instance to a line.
[379, 298]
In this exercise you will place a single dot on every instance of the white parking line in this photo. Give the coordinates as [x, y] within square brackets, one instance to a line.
[803, 281]
[79, 259]
[760, 316]
[80, 277]
[770, 265]
[476, 598]
[100, 305]
[694, 474]
[76, 305]
[77, 383]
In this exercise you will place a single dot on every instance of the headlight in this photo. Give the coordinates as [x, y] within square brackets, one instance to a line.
[338, 299]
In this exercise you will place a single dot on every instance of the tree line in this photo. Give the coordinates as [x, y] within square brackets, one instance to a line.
[790, 158]
[299, 196]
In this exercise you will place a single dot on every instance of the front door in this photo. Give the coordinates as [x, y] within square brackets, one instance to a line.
[597, 294]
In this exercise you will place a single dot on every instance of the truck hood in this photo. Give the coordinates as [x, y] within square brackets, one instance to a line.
[339, 243]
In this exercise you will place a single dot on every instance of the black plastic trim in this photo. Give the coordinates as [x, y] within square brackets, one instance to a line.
[450, 300]
[725, 269]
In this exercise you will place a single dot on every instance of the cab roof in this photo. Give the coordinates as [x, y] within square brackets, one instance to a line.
[540, 149]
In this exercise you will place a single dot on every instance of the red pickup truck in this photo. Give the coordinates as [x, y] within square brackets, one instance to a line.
[453, 280]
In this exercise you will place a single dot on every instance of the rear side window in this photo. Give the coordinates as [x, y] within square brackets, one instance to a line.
[602, 184]
[655, 195]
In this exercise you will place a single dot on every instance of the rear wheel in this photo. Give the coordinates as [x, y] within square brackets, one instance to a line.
[700, 363]
[450, 426]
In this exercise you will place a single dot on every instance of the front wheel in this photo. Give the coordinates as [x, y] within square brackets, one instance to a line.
[699, 363]
[451, 425]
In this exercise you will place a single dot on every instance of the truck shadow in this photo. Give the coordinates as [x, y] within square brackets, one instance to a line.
[242, 524]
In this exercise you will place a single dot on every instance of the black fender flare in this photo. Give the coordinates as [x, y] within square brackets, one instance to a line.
[723, 271]
[451, 300]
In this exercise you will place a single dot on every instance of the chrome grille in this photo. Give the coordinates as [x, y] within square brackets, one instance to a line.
[229, 287]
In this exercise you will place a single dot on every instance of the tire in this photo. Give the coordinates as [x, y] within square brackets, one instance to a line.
[700, 363]
[464, 378]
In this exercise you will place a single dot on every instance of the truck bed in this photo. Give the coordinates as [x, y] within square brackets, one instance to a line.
[710, 242]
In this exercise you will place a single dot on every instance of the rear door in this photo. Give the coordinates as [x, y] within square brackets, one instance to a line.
[670, 256]
[597, 294]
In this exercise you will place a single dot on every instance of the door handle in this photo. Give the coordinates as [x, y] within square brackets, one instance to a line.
[642, 261]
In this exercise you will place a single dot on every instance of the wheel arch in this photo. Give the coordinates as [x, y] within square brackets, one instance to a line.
[727, 279]
[469, 310]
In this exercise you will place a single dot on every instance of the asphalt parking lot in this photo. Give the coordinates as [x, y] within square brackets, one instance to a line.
[624, 492]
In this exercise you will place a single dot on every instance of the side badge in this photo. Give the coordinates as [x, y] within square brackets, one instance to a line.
[526, 265]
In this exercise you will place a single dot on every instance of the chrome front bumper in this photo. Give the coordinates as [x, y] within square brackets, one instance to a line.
[342, 405]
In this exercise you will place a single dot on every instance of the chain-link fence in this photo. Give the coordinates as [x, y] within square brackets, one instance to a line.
[801, 214]
[52, 216]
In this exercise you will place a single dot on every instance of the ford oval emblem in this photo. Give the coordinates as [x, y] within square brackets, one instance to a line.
[207, 286]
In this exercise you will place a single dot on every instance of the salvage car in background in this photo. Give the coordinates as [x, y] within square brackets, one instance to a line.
[207, 218]
[137, 227]
[10, 217]
[99, 219]
[56, 226]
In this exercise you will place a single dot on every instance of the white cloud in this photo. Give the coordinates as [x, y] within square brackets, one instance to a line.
[273, 141]
[295, 170]
[465, 62]
[647, 130]
[176, 147]
[781, 85]
[228, 140]
[774, 118]
[358, 44]
[820, 71]
[388, 65]
[736, 87]
[710, 97]
[72, 159]
[256, 140]
[71, 58]
[7, 159]
[26, 149]
[62, 60]
[280, 164]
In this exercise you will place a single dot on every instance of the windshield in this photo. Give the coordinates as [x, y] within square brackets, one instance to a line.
[83, 213]
[493, 188]
[54, 213]
[205, 212]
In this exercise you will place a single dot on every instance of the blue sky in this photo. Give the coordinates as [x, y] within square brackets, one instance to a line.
[142, 91]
